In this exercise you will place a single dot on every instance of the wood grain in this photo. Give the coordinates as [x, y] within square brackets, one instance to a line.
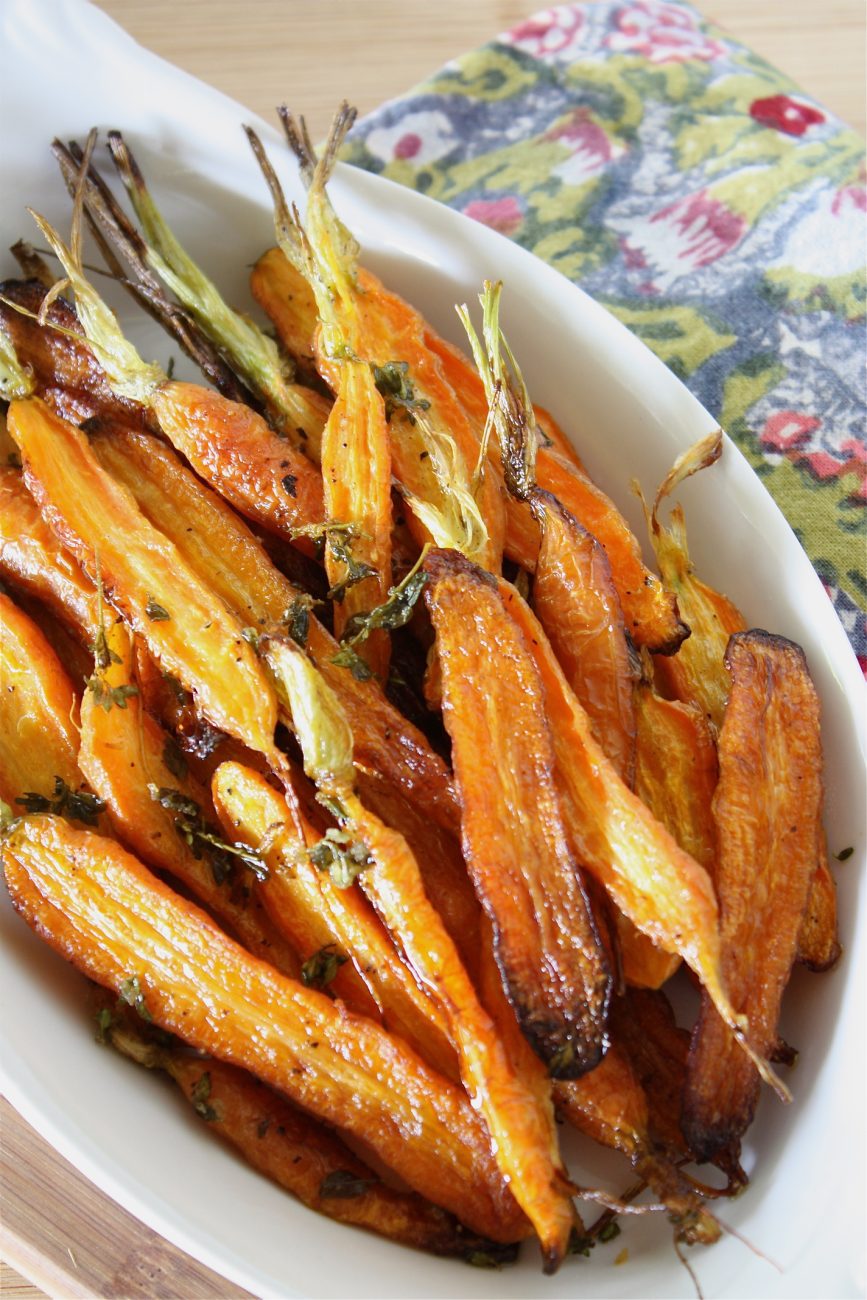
[57, 1229]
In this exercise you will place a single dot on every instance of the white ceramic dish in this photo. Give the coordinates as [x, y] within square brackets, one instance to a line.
[66, 68]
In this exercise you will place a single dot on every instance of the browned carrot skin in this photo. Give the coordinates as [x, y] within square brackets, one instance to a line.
[101, 909]
[123, 756]
[293, 1149]
[767, 809]
[234, 450]
[505, 1091]
[818, 940]
[287, 299]
[657, 1050]
[38, 712]
[226, 556]
[545, 939]
[650, 610]
[575, 601]
[99, 522]
[64, 370]
[36, 564]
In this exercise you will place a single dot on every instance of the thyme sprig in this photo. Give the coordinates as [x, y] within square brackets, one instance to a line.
[341, 856]
[203, 839]
[397, 389]
[80, 805]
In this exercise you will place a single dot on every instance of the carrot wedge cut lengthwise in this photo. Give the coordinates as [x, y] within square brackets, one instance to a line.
[38, 737]
[125, 754]
[768, 808]
[101, 909]
[545, 940]
[658, 886]
[297, 1152]
[818, 941]
[98, 520]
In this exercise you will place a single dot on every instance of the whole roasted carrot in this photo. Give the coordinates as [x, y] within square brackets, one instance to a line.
[294, 1150]
[517, 1112]
[662, 890]
[545, 939]
[101, 909]
[767, 807]
[229, 444]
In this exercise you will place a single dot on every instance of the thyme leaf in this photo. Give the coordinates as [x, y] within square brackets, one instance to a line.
[349, 658]
[340, 545]
[200, 1097]
[131, 993]
[80, 805]
[395, 611]
[107, 697]
[155, 612]
[393, 382]
[342, 1184]
[174, 759]
[342, 857]
[203, 839]
[320, 969]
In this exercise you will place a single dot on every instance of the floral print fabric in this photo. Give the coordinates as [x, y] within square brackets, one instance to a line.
[705, 200]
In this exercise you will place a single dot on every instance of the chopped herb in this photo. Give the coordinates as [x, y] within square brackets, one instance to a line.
[393, 382]
[351, 659]
[156, 613]
[845, 854]
[251, 636]
[342, 1184]
[103, 1024]
[107, 697]
[482, 1259]
[297, 618]
[289, 482]
[203, 838]
[103, 656]
[174, 759]
[580, 1243]
[339, 543]
[609, 1230]
[131, 993]
[343, 858]
[395, 611]
[80, 805]
[200, 1095]
[321, 968]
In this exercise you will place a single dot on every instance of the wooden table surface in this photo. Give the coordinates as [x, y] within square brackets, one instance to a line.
[57, 1230]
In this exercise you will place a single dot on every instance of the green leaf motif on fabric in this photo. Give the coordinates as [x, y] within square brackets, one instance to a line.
[844, 294]
[490, 73]
[683, 337]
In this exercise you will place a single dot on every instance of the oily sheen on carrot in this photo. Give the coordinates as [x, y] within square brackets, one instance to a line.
[38, 707]
[200, 642]
[521, 1123]
[545, 938]
[123, 754]
[225, 555]
[767, 808]
[100, 908]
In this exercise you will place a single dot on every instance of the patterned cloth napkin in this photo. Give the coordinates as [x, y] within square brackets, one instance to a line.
[705, 200]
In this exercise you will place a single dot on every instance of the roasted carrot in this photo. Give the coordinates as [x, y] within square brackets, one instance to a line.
[767, 808]
[225, 555]
[697, 673]
[33, 560]
[573, 593]
[285, 296]
[184, 625]
[295, 410]
[818, 941]
[101, 909]
[545, 939]
[662, 890]
[316, 913]
[295, 1151]
[161, 811]
[517, 1112]
[38, 714]
[229, 444]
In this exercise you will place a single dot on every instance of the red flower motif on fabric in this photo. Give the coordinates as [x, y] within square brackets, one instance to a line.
[663, 33]
[408, 145]
[787, 430]
[548, 32]
[682, 237]
[785, 114]
[504, 215]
